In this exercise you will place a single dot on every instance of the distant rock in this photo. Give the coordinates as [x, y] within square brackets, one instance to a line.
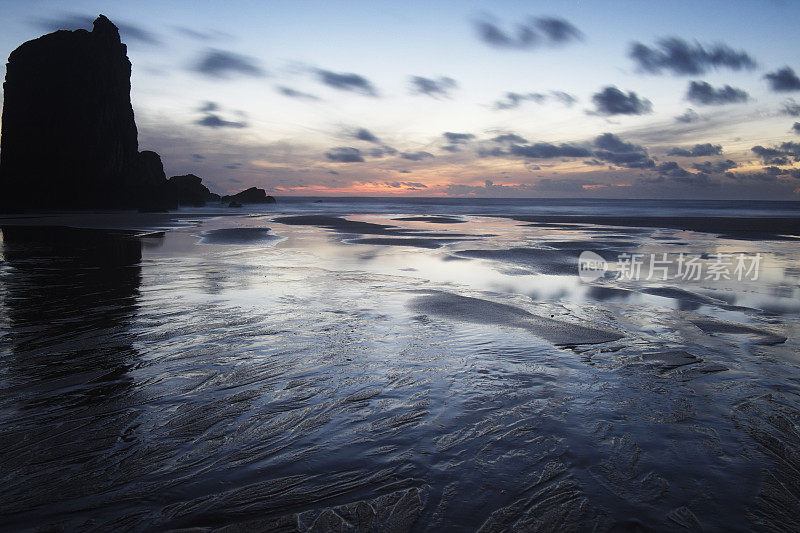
[150, 171]
[69, 138]
[149, 187]
[253, 195]
[189, 190]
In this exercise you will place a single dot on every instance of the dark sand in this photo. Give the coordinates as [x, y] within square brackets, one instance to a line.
[687, 300]
[670, 359]
[762, 336]
[356, 227]
[241, 236]
[341, 225]
[601, 293]
[478, 311]
[434, 219]
[543, 260]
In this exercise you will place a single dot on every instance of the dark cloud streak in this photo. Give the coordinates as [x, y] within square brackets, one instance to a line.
[684, 58]
[294, 93]
[344, 154]
[698, 150]
[531, 34]
[435, 88]
[458, 138]
[212, 120]
[512, 100]
[702, 93]
[222, 64]
[416, 156]
[689, 116]
[611, 101]
[783, 80]
[347, 81]
[614, 150]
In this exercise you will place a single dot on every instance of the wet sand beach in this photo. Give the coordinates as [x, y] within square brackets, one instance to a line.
[392, 371]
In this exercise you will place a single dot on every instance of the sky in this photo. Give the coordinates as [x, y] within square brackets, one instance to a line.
[607, 99]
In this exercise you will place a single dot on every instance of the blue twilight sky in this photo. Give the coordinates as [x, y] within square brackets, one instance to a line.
[679, 99]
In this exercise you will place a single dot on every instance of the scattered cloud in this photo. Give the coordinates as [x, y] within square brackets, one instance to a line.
[527, 35]
[608, 149]
[719, 167]
[453, 148]
[780, 155]
[702, 93]
[347, 81]
[494, 151]
[510, 138]
[612, 101]
[344, 154]
[416, 156]
[683, 58]
[783, 80]
[212, 120]
[382, 151]
[693, 179]
[435, 88]
[796, 127]
[614, 150]
[513, 100]
[563, 97]
[222, 64]
[408, 185]
[789, 172]
[672, 170]
[201, 35]
[458, 138]
[698, 150]
[752, 176]
[791, 108]
[544, 150]
[294, 93]
[363, 134]
[688, 116]
[558, 30]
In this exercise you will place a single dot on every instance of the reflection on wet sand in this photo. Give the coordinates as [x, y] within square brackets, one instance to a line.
[69, 298]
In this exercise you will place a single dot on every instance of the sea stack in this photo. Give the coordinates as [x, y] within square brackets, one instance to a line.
[69, 138]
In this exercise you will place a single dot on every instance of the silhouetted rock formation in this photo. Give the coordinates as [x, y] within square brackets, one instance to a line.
[189, 190]
[69, 139]
[252, 195]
